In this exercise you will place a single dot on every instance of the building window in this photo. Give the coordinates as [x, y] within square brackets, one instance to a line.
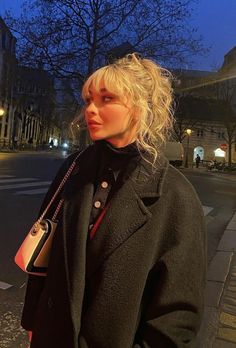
[200, 133]
[221, 135]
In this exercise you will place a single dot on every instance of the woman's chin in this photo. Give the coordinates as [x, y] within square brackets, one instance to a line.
[95, 137]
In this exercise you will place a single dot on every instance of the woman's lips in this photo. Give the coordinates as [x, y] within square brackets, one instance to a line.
[93, 124]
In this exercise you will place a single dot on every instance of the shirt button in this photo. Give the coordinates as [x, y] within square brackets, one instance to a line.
[104, 184]
[97, 204]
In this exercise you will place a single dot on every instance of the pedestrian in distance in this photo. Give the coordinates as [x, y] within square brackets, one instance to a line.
[137, 279]
[197, 160]
[51, 144]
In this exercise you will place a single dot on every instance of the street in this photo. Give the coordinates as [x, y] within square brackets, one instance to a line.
[24, 179]
[218, 192]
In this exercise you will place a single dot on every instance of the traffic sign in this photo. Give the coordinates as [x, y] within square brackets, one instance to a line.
[224, 147]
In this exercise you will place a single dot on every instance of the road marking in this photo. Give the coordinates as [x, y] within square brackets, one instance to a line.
[30, 184]
[6, 176]
[32, 192]
[5, 286]
[8, 182]
[16, 180]
[207, 210]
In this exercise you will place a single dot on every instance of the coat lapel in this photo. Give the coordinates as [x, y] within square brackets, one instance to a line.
[126, 214]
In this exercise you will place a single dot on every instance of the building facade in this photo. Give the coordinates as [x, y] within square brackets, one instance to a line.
[211, 122]
[34, 99]
[7, 76]
[27, 99]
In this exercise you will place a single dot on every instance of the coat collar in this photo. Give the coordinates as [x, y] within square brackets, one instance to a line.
[147, 180]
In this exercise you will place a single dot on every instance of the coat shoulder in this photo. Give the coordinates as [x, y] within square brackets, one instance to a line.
[178, 183]
[178, 190]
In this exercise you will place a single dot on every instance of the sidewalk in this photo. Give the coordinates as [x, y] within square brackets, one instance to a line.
[33, 151]
[218, 328]
[7, 150]
[204, 169]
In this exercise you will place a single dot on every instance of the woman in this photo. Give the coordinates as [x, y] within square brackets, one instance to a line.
[137, 279]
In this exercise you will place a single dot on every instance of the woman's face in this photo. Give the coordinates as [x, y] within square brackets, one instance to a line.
[109, 118]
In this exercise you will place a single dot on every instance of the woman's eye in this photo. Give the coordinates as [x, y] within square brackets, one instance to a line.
[87, 100]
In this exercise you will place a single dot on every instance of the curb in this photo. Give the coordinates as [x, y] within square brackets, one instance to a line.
[31, 152]
[218, 328]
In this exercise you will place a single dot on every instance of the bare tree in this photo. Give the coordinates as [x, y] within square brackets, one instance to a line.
[34, 98]
[72, 37]
[186, 115]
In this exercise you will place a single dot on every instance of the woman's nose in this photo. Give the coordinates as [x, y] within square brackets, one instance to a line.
[91, 108]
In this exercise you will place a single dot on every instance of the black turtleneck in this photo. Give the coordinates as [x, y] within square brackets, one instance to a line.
[115, 166]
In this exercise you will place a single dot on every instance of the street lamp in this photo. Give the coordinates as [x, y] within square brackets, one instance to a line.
[189, 132]
[2, 111]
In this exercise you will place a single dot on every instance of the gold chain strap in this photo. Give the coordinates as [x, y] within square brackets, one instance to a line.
[68, 173]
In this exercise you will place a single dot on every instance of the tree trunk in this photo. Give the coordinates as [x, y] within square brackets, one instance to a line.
[230, 155]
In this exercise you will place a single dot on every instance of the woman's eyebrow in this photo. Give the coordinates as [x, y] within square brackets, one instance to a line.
[104, 90]
[101, 91]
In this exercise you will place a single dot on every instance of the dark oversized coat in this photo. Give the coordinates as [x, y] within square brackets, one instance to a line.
[139, 282]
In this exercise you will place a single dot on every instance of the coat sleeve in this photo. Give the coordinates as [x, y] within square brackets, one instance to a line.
[35, 284]
[175, 291]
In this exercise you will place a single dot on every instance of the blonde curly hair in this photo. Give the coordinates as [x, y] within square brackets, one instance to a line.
[149, 88]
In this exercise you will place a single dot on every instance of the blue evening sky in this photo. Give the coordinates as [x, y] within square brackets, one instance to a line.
[215, 19]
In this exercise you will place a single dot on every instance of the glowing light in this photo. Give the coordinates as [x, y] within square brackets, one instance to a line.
[2, 111]
[189, 131]
[219, 153]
